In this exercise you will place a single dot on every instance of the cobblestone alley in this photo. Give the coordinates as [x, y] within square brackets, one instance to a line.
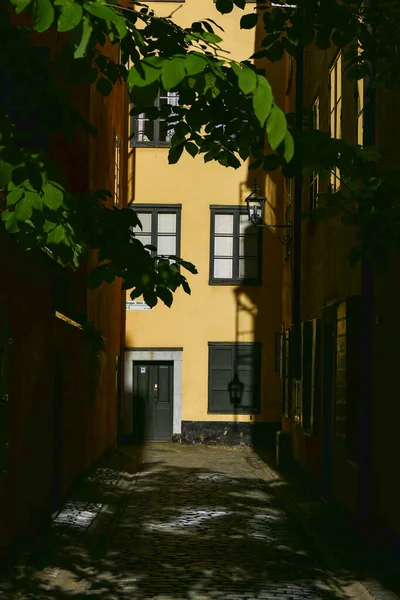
[193, 523]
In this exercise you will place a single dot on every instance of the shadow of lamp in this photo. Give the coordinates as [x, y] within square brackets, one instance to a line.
[255, 211]
[235, 388]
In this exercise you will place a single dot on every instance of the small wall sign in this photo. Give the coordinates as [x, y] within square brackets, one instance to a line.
[137, 305]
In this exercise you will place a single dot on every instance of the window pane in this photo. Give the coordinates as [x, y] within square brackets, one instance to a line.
[222, 357]
[223, 223]
[339, 77]
[165, 131]
[166, 223]
[247, 378]
[220, 379]
[360, 129]
[247, 268]
[223, 246]
[332, 84]
[145, 239]
[145, 219]
[245, 226]
[223, 268]
[144, 130]
[248, 245]
[339, 120]
[166, 244]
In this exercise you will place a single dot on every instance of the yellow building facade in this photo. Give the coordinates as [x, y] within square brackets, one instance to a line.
[182, 359]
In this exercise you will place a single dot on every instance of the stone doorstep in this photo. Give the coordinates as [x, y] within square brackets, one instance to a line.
[351, 589]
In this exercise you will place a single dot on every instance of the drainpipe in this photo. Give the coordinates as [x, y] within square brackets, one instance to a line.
[365, 483]
[298, 185]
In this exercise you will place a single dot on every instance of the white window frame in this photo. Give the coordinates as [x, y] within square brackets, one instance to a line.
[137, 124]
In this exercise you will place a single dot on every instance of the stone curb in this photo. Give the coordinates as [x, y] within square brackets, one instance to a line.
[351, 589]
[109, 512]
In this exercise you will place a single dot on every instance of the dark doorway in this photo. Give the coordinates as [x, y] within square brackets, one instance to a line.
[56, 495]
[152, 401]
[328, 374]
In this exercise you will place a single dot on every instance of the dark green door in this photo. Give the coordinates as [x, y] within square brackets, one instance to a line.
[152, 400]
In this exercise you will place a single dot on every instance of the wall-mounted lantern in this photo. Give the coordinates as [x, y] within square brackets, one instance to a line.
[255, 211]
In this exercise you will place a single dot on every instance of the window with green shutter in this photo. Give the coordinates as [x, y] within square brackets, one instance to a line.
[224, 360]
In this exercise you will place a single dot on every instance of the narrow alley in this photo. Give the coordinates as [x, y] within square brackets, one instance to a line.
[190, 523]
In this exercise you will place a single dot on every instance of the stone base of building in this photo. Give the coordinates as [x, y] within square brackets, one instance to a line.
[228, 433]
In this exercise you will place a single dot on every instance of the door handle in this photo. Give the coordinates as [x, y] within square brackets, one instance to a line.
[155, 390]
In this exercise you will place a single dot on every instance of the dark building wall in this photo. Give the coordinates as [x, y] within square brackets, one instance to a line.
[106, 306]
[56, 427]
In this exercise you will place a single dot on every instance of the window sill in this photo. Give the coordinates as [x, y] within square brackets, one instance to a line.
[234, 283]
[249, 411]
[150, 144]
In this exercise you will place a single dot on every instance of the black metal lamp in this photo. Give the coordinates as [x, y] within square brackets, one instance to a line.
[255, 205]
[255, 210]
[235, 390]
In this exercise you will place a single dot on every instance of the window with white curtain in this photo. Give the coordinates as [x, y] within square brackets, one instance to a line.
[160, 227]
[157, 132]
[235, 247]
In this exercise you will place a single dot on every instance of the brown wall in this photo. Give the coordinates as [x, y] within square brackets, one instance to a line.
[58, 427]
[37, 339]
[326, 275]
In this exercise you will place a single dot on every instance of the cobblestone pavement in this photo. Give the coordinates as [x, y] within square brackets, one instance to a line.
[199, 523]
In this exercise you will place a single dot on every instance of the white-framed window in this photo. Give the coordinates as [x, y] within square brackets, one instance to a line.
[314, 179]
[335, 110]
[235, 253]
[161, 226]
[157, 132]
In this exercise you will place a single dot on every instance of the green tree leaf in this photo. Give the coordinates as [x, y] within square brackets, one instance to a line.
[23, 209]
[84, 31]
[104, 86]
[6, 170]
[100, 10]
[150, 73]
[71, 14]
[48, 226]
[10, 221]
[247, 80]
[195, 64]
[262, 99]
[56, 235]
[289, 147]
[175, 153]
[14, 196]
[20, 5]
[191, 148]
[165, 295]
[276, 127]
[211, 84]
[224, 6]
[249, 21]
[172, 73]
[35, 199]
[53, 195]
[212, 38]
[43, 15]
[150, 297]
